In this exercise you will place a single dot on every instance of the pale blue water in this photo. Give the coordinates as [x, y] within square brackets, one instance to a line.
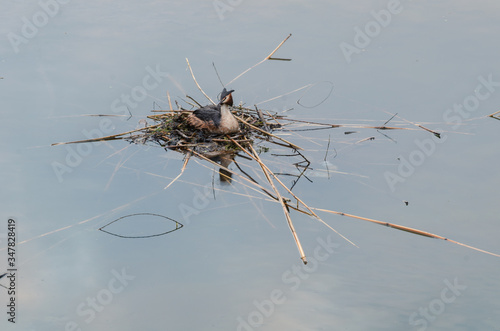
[234, 265]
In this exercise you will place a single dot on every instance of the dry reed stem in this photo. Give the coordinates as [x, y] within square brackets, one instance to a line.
[437, 134]
[196, 102]
[186, 160]
[274, 118]
[357, 126]
[233, 172]
[272, 53]
[169, 101]
[281, 183]
[114, 136]
[279, 96]
[493, 115]
[113, 154]
[302, 202]
[89, 115]
[167, 111]
[261, 116]
[266, 195]
[364, 139]
[265, 59]
[285, 210]
[268, 133]
[240, 140]
[117, 167]
[199, 87]
[311, 140]
[407, 229]
[190, 103]
[256, 157]
[324, 223]
[266, 172]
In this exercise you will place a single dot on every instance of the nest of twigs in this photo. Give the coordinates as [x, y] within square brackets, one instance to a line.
[171, 131]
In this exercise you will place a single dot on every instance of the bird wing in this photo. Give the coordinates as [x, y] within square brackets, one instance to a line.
[208, 113]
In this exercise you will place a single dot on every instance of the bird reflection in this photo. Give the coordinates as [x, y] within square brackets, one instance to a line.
[224, 160]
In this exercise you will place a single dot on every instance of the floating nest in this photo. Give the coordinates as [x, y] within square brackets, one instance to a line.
[171, 131]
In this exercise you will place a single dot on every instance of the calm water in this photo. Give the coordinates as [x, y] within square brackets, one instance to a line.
[234, 265]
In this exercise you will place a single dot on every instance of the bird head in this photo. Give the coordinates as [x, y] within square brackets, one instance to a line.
[226, 97]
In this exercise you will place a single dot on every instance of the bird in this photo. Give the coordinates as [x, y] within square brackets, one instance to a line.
[216, 119]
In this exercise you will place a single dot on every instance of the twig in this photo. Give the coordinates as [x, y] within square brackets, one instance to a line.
[327, 148]
[189, 97]
[494, 115]
[272, 53]
[325, 159]
[351, 125]
[394, 141]
[437, 134]
[274, 118]
[225, 140]
[90, 115]
[311, 213]
[265, 59]
[199, 87]
[170, 111]
[407, 229]
[306, 206]
[389, 119]
[365, 139]
[114, 136]
[279, 96]
[117, 167]
[217, 73]
[266, 172]
[169, 101]
[268, 133]
[233, 172]
[188, 156]
[189, 103]
[259, 112]
[319, 103]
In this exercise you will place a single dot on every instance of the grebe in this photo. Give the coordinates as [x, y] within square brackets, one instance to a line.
[216, 118]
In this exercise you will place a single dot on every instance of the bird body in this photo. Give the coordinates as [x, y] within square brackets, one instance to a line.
[216, 119]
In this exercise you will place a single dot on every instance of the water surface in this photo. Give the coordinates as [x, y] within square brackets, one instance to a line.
[234, 265]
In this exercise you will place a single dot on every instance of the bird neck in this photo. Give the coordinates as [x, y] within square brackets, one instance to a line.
[228, 122]
[225, 110]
